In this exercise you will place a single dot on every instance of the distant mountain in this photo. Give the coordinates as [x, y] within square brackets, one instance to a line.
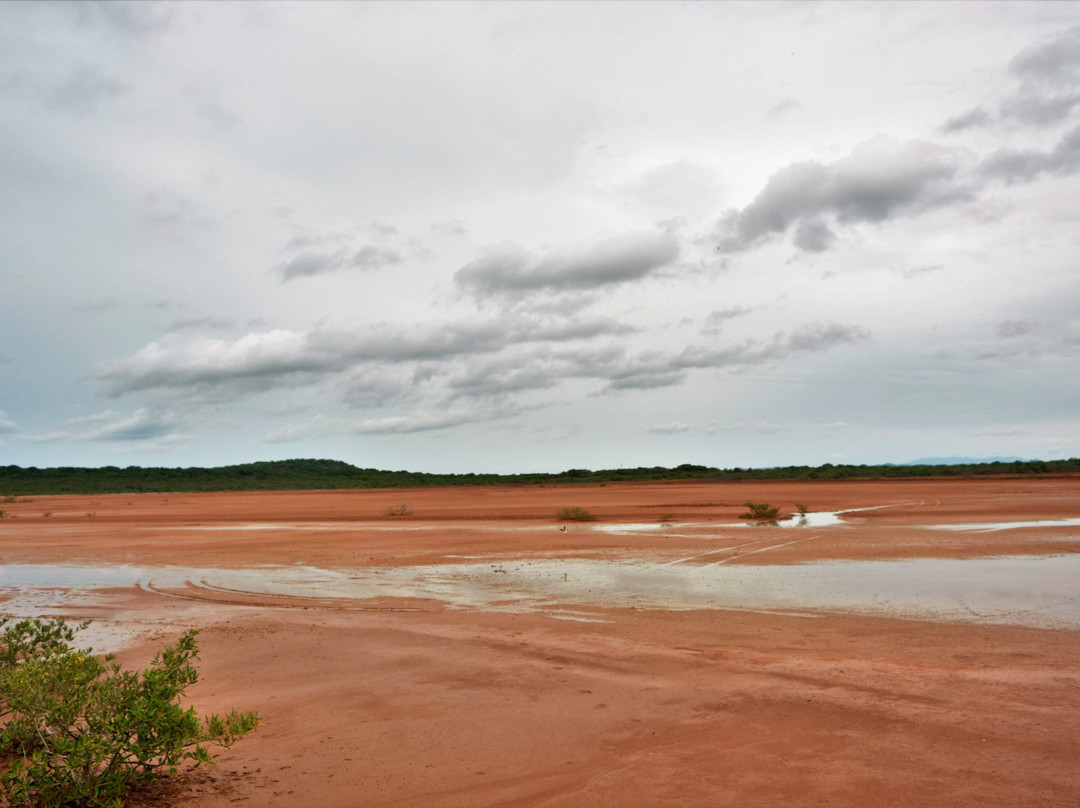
[961, 461]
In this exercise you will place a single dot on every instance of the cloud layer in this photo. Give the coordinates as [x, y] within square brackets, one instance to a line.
[519, 236]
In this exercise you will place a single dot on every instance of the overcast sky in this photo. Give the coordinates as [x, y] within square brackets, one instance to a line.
[522, 237]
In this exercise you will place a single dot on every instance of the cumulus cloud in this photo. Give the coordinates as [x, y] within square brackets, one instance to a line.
[978, 116]
[143, 424]
[310, 263]
[475, 361]
[533, 368]
[1046, 88]
[1048, 75]
[509, 269]
[880, 179]
[1024, 165]
[652, 370]
[720, 316]
[258, 361]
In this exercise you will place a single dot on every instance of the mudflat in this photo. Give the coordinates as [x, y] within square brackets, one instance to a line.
[465, 647]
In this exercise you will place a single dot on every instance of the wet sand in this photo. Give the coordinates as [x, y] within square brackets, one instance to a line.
[401, 701]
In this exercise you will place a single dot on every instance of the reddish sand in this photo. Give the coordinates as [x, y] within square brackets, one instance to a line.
[396, 702]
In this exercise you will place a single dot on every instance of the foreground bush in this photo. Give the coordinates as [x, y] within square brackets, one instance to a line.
[79, 731]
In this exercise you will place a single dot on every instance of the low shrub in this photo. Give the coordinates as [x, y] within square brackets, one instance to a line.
[575, 514]
[77, 730]
[760, 510]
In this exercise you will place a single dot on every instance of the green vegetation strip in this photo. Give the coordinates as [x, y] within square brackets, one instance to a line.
[285, 475]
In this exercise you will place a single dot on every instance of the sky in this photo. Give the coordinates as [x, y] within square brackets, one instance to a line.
[518, 237]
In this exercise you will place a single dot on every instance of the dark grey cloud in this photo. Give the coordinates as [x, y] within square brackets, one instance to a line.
[881, 179]
[1025, 165]
[511, 270]
[813, 235]
[1048, 75]
[645, 377]
[310, 263]
[971, 119]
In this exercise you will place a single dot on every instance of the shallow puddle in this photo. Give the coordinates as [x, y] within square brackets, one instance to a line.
[1022, 590]
[985, 527]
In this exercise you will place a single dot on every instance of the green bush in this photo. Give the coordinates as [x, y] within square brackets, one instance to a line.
[79, 731]
[575, 514]
[760, 510]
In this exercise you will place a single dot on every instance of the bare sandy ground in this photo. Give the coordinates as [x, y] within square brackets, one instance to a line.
[395, 701]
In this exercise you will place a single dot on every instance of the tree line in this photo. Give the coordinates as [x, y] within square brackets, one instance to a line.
[282, 475]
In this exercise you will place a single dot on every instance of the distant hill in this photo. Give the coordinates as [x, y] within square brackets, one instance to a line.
[957, 461]
[292, 475]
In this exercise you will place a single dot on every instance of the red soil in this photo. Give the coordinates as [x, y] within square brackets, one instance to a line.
[402, 703]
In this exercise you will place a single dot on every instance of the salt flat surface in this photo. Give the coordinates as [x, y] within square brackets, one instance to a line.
[1021, 590]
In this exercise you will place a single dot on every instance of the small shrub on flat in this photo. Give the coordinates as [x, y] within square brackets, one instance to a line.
[760, 510]
[575, 514]
[76, 730]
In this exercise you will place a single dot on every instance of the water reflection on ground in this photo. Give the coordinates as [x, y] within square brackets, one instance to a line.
[1022, 590]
